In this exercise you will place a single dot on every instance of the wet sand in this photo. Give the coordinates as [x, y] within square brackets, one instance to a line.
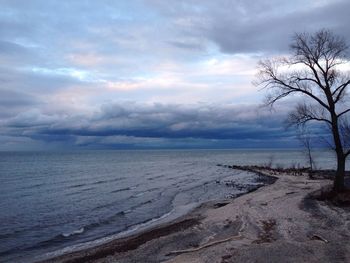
[276, 223]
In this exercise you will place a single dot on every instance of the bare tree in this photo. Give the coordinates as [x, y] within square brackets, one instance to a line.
[314, 72]
[305, 138]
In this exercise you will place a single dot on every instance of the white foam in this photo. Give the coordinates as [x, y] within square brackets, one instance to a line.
[170, 216]
[75, 232]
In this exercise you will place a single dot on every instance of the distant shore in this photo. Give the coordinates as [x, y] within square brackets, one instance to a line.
[276, 223]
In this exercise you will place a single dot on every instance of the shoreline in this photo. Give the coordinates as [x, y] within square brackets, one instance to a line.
[276, 221]
[139, 229]
[172, 220]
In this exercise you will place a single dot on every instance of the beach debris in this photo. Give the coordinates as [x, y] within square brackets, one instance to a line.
[318, 237]
[221, 204]
[177, 252]
[306, 188]
[238, 236]
[289, 193]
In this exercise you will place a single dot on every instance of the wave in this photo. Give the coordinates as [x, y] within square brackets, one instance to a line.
[80, 191]
[63, 237]
[156, 177]
[32, 186]
[105, 221]
[76, 186]
[25, 229]
[139, 194]
[140, 225]
[71, 185]
[109, 180]
[126, 232]
[121, 190]
[75, 232]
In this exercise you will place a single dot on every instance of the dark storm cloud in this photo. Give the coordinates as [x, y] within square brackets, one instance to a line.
[157, 121]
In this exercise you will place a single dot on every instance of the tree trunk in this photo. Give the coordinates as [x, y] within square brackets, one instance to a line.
[339, 176]
[310, 158]
[338, 185]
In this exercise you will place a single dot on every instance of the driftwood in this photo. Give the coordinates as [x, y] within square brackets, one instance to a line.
[289, 193]
[176, 252]
[317, 237]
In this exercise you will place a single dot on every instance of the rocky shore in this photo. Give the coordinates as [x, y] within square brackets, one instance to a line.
[281, 222]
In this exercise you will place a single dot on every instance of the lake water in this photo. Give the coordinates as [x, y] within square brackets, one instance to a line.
[51, 201]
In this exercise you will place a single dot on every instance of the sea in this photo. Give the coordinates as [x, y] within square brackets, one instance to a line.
[56, 202]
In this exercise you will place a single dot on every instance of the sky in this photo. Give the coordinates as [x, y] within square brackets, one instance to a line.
[147, 74]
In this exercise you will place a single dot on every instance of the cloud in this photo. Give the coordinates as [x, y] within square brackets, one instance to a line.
[146, 73]
[273, 33]
[138, 124]
[254, 27]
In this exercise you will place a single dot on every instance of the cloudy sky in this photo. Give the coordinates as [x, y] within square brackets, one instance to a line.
[145, 74]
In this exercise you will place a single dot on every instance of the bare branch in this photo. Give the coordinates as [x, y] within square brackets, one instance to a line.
[283, 85]
[344, 112]
[304, 113]
[340, 90]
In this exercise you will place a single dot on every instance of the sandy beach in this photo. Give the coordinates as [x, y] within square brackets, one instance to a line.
[281, 222]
